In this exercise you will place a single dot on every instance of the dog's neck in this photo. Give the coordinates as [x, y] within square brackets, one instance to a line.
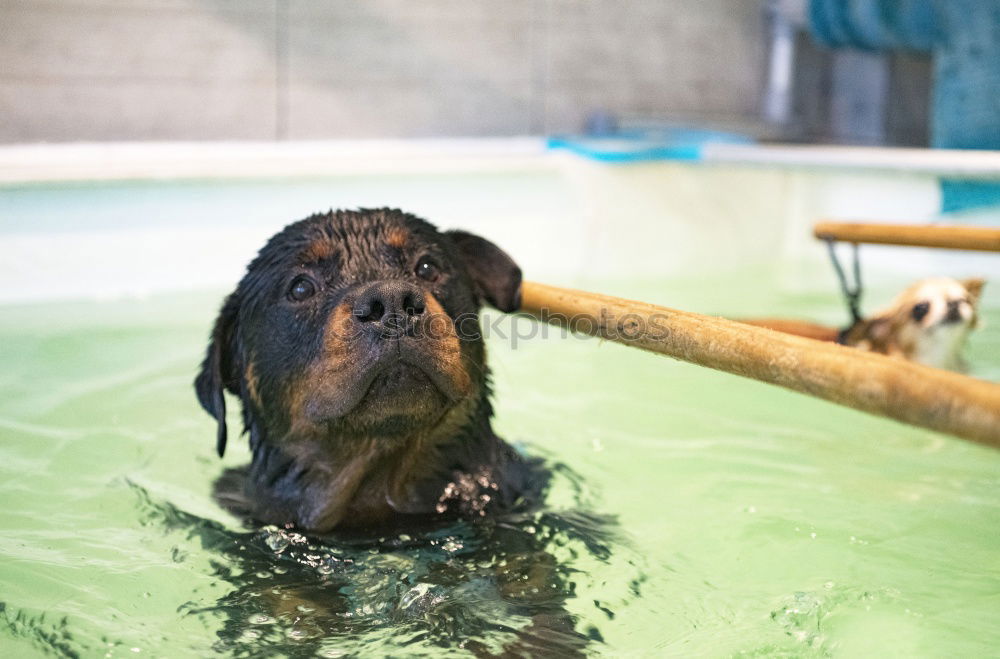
[323, 480]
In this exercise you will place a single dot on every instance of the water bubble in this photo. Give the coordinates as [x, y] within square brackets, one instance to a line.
[264, 575]
[800, 618]
[260, 619]
[423, 597]
[404, 538]
[277, 541]
[414, 595]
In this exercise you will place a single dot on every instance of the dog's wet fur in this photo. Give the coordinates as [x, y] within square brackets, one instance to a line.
[353, 344]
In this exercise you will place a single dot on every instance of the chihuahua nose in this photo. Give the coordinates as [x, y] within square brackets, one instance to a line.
[954, 311]
[392, 304]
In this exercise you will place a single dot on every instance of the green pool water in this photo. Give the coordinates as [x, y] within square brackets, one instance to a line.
[692, 513]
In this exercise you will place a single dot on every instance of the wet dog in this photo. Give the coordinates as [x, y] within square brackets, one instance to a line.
[928, 323]
[354, 346]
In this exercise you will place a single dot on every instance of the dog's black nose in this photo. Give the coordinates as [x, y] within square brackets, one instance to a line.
[954, 311]
[392, 304]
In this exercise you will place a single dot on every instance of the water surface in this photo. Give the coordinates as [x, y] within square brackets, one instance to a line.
[691, 512]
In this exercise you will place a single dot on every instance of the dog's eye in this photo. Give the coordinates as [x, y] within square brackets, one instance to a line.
[301, 288]
[920, 310]
[427, 269]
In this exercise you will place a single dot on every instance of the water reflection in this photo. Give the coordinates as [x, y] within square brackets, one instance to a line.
[493, 587]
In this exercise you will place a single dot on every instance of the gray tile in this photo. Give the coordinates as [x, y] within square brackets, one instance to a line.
[123, 110]
[192, 69]
[369, 44]
[74, 42]
[671, 56]
[697, 101]
[326, 110]
[424, 11]
[146, 6]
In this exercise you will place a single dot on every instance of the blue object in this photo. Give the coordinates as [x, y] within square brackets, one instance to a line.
[875, 24]
[646, 145]
[959, 195]
[964, 36]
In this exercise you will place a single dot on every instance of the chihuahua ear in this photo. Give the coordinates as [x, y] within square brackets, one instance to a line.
[218, 371]
[974, 286]
[495, 275]
[870, 333]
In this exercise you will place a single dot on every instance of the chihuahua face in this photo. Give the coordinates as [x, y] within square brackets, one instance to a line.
[927, 323]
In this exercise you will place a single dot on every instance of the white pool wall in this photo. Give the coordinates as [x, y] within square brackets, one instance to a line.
[79, 221]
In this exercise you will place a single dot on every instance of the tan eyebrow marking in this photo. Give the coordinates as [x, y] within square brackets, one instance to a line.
[397, 238]
[318, 250]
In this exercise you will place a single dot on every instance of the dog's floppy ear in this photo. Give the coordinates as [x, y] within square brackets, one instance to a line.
[495, 275]
[218, 371]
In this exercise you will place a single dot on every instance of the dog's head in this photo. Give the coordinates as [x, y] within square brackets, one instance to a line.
[928, 322]
[356, 324]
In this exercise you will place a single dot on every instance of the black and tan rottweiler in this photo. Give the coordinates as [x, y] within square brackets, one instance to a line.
[353, 343]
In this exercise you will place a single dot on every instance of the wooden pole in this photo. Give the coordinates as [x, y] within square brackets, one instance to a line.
[901, 390]
[982, 239]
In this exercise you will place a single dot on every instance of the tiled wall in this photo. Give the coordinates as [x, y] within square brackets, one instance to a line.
[302, 69]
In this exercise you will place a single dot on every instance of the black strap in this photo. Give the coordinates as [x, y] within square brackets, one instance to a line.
[852, 294]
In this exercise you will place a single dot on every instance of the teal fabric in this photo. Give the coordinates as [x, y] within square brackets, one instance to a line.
[876, 24]
[964, 36]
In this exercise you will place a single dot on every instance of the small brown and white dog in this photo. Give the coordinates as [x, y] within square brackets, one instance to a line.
[927, 323]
